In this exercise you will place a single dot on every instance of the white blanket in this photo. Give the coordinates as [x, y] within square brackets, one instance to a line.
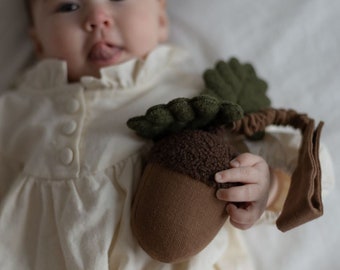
[295, 46]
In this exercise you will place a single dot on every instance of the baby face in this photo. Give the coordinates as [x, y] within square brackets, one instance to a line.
[91, 34]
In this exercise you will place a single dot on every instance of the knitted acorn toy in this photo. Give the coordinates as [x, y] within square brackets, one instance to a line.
[175, 212]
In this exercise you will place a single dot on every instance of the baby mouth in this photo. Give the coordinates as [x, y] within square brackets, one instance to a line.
[103, 53]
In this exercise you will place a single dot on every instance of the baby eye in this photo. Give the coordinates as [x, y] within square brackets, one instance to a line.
[67, 7]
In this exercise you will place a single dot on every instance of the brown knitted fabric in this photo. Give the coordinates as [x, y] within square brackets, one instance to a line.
[174, 216]
[256, 122]
[175, 212]
[303, 202]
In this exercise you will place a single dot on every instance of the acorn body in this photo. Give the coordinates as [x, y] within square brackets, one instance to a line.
[175, 212]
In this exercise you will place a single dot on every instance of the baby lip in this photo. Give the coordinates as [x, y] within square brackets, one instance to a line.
[102, 51]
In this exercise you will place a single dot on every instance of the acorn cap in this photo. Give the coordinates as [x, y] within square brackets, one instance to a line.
[196, 153]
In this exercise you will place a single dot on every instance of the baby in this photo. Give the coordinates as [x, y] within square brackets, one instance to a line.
[68, 163]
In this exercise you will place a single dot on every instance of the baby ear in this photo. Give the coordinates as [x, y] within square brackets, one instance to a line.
[36, 42]
[163, 21]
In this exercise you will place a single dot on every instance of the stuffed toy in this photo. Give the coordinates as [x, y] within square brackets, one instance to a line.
[175, 212]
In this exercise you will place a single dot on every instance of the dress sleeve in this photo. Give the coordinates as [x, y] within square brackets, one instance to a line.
[9, 170]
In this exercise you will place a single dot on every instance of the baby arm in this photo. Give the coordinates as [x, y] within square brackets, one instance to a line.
[247, 202]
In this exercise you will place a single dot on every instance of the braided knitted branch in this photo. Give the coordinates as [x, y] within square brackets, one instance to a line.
[257, 122]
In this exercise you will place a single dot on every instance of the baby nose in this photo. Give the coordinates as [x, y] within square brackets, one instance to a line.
[97, 19]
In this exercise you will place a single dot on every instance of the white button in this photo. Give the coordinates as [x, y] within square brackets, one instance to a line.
[72, 105]
[66, 156]
[69, 127]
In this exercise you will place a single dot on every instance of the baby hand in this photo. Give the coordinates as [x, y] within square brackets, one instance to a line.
[245, 202]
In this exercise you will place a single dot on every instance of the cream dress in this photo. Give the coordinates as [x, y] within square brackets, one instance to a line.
[69, 166]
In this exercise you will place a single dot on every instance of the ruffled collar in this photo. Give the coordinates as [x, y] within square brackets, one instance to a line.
[52, 73]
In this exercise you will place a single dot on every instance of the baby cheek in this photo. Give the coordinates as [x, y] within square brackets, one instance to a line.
[60, 43]
[143, 44]
[141, 36]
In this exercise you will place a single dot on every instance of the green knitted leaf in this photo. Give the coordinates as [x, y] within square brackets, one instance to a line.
[159, 115]
[143, 127]
[181, 109]
[238, 83]
[181, 113]
[217, 87]
[231, 89]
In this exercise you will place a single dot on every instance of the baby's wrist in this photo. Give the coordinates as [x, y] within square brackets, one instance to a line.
[279, 186]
